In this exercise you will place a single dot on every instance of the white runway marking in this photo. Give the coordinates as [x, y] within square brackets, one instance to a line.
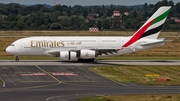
[120, 83]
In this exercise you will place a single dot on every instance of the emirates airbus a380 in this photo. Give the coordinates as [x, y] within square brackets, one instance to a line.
[90, 47]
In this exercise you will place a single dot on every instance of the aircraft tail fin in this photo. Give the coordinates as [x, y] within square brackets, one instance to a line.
[152, 27]
[154, 24]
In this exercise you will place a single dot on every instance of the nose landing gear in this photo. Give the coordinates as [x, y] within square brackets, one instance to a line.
[17, 59]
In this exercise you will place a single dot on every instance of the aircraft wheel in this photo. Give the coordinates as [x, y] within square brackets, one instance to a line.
[86, 60]
[17, 59]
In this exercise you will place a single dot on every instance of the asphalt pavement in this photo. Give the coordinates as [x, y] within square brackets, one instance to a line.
[67, 81]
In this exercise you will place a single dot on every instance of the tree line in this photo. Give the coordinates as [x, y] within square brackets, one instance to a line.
[61, 17]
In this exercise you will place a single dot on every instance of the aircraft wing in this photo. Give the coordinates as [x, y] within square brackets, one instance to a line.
[98, 52]
[101, 51]
[53, 53]
[105, 51]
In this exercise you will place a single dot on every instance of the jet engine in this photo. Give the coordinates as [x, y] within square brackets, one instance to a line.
[68, 55]
[87, 54]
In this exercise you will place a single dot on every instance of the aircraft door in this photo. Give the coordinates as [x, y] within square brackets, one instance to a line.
[98, 41]
[118, 41]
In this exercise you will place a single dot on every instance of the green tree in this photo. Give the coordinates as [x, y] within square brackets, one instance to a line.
[59, 17]
[145, 7]
[99, 24]
[57, 8]
[151, 6]
[106, 24]
[28, 10]
[20, 23]
[164, 3]
[116, 23]
[91, 23]
[45, 9]
[64, 22]
[85, 13]
[55, 26]
[178, 7]
[77, 10]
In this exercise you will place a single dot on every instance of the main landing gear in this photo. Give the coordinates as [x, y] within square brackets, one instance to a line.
[87, 60]
[17, 59]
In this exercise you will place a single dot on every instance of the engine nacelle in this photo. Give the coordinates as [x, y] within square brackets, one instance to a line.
[68, 55]
[87, 54]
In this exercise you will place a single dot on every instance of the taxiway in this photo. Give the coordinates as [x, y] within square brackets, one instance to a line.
[99, 62]
[68, 81]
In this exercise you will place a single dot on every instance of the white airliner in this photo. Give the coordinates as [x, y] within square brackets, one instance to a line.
[90, 47]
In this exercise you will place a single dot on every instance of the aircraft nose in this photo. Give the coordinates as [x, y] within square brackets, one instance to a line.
[9, 50]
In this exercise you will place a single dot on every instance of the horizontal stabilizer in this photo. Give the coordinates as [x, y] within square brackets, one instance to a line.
[154, 43]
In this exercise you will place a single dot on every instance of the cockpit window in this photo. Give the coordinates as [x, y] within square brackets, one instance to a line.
[12, 45]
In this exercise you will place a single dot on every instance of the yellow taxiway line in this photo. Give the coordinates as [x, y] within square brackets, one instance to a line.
[48, 74]
[4, 84]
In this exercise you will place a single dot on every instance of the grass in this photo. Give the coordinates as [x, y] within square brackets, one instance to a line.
[64, 33]
[140, 97]
[77, 33]
[130, 57]
[168, 51]
[137, 74]
[97, 98]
